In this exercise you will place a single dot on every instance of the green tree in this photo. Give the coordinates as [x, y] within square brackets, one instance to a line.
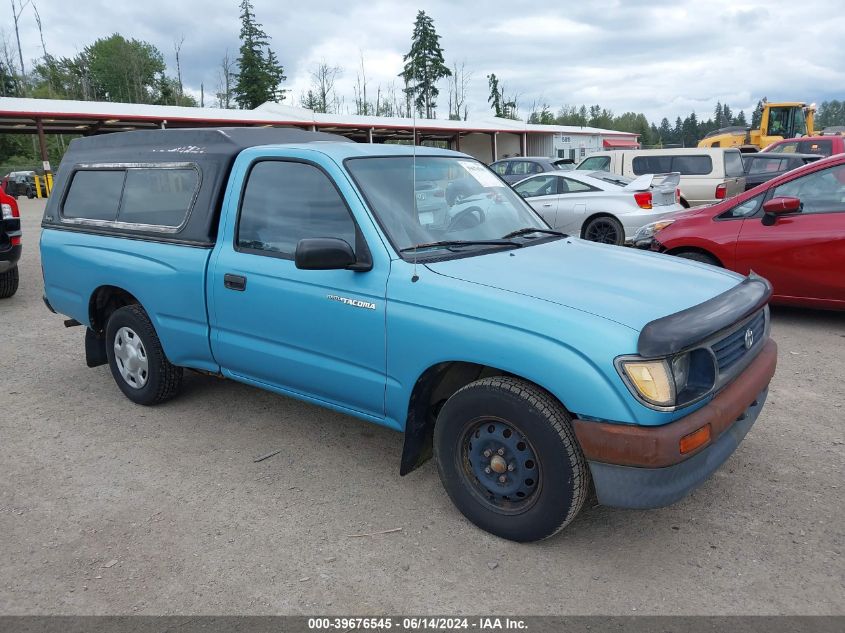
[830, 113]
[495, 98]
[757, 116]
[678, 131]
[123, 70]
[600, 117]
[665, 135]
[170, 93]
[740, 119]
[691, 132]
[259, 71]
[727, 116]
[542, 115]
[9, 82]
[424, 66]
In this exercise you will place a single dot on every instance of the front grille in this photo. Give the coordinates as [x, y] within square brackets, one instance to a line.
[731, 349]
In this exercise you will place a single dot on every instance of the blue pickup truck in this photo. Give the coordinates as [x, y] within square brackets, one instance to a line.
[410, 287]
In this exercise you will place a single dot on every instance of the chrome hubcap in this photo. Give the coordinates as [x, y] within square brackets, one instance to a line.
[131, 357]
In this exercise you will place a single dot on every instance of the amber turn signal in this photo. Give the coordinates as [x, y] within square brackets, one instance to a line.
[693, 440]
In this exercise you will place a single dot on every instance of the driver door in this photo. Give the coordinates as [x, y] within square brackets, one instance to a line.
[318, 333]
[541, 192]
[801, 254]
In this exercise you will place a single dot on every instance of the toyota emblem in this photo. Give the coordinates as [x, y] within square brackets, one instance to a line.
[749, 338]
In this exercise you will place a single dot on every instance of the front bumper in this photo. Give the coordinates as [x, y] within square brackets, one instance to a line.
[635, 221]
[642, 467]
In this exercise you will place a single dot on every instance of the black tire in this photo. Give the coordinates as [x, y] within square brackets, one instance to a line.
[9, 282]
[697, 256]
[550, 467]
[161, 379]
[604, 229]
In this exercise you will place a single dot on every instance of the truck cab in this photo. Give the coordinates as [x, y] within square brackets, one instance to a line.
[533, 366]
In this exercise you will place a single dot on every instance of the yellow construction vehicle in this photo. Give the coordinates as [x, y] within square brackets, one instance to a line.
[787, 119]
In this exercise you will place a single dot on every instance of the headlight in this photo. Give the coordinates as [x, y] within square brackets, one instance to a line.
[652, 380]
[649, 230]
[666, 383]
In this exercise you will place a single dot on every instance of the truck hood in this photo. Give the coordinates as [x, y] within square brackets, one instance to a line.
[625, 285]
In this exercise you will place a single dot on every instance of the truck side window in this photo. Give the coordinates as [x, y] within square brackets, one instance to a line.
[158, 196]
[599, 163]
[651, 165]
[94, 195]
[285, 202]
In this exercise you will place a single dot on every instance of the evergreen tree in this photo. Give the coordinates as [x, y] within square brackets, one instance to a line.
[740, 119]
[259, 72]
[495, 98]
[727, 116]
[830, 113]
[424, 66]
[690, 131]
[758, 114]
[718, 115]
[664, 132]
[678, 132]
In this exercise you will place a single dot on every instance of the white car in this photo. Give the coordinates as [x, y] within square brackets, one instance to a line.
[600, 206]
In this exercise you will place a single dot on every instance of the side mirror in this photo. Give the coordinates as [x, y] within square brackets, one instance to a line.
[781, 205]
[324, 253]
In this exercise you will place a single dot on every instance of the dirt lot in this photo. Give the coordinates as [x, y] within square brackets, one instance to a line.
[107, 507]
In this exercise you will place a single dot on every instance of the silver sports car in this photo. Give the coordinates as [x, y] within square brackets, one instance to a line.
[600, 206]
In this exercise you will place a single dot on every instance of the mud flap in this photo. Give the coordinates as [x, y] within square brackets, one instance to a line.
[95, 349]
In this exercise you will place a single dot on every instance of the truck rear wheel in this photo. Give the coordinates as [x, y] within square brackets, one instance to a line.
[137, 360]
[9, 282]
[508, 458]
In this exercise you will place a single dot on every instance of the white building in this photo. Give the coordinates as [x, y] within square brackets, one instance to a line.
[487, 139]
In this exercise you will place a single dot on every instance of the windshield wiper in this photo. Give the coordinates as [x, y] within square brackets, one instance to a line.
[458, 243]
[531, 229]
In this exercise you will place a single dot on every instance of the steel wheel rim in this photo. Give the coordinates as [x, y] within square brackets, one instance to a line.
[603, 232]
[131, 359]
[500, 465]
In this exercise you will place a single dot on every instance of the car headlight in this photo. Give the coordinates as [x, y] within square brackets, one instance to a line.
[650, 230]
[667, 383]
[652, 380]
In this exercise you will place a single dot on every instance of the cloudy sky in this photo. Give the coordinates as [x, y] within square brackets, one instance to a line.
[661, 57]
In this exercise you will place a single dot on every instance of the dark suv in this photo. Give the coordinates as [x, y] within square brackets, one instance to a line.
[10, 245]
[764, 166]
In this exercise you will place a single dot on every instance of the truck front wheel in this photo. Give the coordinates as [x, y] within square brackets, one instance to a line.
[9, 282]
[509, 460]
[137, 360]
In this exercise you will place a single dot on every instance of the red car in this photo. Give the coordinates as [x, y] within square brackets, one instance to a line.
[824, 145]
[790, 230]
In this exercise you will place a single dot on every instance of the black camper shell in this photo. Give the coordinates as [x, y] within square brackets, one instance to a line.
[201, 158]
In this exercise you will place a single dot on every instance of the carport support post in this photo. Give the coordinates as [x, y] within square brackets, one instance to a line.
[45, 158]
[523, 144]
[458, 142]
[493, 147]
[370, 136]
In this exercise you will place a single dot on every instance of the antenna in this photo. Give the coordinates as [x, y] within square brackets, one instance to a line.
[414, 277]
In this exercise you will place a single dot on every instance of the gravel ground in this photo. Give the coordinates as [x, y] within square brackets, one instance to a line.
[111, 508]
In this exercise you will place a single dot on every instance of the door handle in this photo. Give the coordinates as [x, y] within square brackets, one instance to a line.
[234, 282]
[547, 204]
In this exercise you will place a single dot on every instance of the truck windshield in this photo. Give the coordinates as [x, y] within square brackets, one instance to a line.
[441, 199]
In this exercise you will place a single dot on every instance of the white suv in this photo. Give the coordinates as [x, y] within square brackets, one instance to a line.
[708, 175]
